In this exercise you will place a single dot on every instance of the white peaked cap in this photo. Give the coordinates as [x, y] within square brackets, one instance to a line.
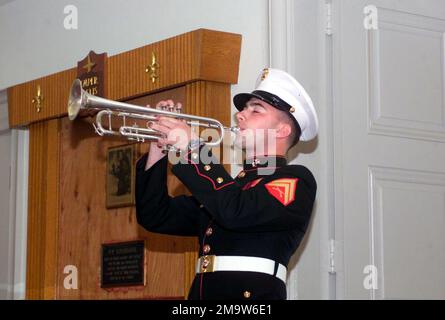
[284, 92]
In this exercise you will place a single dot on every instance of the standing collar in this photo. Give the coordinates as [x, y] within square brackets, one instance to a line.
[264, 161]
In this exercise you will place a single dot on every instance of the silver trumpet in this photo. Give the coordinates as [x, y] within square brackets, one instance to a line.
[81, 102]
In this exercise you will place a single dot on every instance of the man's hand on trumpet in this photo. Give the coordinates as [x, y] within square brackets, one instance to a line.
[175, 132]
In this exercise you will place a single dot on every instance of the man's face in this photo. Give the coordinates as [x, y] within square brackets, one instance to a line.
[257, 122]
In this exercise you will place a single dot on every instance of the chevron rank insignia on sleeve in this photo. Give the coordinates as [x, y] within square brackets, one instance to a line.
[283, 189]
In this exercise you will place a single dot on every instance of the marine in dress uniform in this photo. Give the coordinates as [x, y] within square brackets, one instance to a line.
[249, 226]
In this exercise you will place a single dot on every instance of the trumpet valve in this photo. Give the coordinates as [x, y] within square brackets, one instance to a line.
[178, 107]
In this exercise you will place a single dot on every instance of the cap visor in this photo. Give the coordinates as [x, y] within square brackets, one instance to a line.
[241, 99]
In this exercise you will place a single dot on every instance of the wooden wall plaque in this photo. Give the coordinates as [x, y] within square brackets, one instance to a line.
[92, 73]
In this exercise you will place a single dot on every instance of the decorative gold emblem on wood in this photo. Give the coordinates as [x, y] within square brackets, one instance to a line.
[90, 65]
[38, 99]
[152, 69]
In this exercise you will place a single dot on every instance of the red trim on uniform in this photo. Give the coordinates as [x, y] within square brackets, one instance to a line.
[204, 176]
[213, 183]
[185, 155]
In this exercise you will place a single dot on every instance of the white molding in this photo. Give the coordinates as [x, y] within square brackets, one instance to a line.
[281, 34]
[19, 292]
[12, 291]
[18, 199]
[6, 288]
[331, 162]
[377, 175]
[20, 203]
[337, 137]
[269, 31]
[281, 42]
[12, 208]
[4, 122]
[3, 97]
[378, 123]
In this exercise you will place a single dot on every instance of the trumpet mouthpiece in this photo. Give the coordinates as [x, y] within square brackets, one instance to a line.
[234, 129]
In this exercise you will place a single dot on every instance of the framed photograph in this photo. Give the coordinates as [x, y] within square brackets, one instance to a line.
[120, 176]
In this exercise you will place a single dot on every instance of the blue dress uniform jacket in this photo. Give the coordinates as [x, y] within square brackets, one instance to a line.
[263, 212]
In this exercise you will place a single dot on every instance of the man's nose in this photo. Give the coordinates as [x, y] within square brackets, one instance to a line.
[240, 116]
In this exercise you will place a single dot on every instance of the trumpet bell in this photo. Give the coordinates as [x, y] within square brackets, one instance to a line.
[75, 99]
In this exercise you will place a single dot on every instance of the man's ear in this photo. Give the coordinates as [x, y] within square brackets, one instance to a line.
[284, 130]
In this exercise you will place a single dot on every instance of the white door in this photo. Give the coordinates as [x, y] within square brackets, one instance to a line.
[389, 132]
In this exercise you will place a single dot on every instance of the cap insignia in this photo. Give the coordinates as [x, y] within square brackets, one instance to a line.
[265, 74]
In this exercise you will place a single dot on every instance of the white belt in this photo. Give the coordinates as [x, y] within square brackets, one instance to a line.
[240, 263]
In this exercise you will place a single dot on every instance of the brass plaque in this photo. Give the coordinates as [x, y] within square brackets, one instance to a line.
[123, 264]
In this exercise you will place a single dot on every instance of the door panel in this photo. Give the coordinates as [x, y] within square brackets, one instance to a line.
[390, 142]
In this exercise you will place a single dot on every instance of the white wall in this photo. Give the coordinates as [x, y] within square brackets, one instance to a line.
[34, 44]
